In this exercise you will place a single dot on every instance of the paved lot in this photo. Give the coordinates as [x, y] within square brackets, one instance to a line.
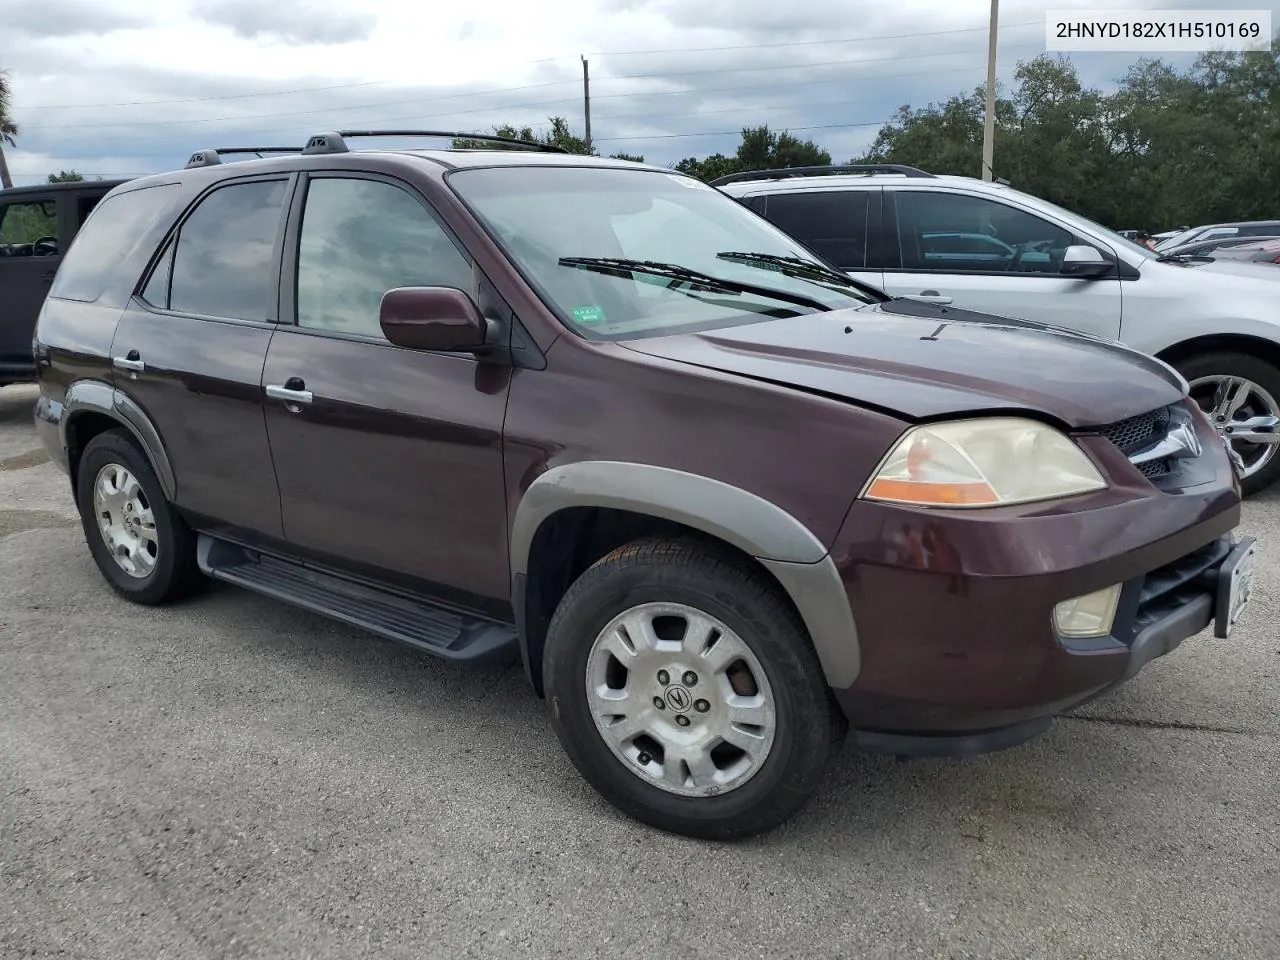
[233, 778]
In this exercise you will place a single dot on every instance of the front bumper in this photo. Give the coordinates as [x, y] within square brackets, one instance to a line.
[954, 610]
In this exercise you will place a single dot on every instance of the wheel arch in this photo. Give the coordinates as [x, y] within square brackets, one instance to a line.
[1250, 344]
[92, 407]
[575, 513]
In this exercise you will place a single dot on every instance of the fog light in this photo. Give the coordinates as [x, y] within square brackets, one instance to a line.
[1087, 616]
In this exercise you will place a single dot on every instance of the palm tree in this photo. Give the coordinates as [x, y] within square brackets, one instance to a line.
[8, 129]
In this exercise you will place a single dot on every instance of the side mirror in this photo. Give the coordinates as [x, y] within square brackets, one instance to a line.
[1081, 260]
[432, 318]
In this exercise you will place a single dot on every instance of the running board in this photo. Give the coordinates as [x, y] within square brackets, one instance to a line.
[410, 620]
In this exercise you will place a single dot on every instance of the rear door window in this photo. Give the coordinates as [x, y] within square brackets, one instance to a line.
[118, 224]
[831, 222]
[225, 264]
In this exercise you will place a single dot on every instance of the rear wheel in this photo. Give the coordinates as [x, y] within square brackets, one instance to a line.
[1241, 395]
[142, 546]
[685, 690]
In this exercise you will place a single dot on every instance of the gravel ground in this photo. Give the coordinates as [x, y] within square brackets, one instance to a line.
[235, 778]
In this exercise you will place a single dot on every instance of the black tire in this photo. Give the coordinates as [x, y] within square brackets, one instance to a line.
[1231, 364]
[808, 725]
[175, 573]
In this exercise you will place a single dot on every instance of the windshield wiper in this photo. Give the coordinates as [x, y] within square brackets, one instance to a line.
[790, 266]
[696, 279]
[1183, 258]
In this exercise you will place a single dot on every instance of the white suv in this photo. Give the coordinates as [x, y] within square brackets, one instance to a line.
[987, 247]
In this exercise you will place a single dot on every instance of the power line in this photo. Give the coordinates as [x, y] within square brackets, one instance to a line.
[646, 137]
[639, 76]
[186, 140]
[606, 53]
[802, 43]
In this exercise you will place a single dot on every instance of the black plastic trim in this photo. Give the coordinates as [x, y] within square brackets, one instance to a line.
[782, 173]
[335, 141]
[413, 620]
[94, 396]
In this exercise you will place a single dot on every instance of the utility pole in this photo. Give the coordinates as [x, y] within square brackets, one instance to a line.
[989, 127]
[586, 101]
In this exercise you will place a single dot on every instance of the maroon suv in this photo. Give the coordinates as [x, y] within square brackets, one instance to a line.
[723, 502]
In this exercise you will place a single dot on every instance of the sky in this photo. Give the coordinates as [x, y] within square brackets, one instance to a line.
[129, 87]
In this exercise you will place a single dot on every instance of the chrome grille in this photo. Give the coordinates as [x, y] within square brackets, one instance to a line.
[1154, 469]
[1135, 434]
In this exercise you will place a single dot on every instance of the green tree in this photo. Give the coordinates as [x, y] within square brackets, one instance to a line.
[759, 149]
[944, 138]
[8, 127]
[66, 176]
[560, 135]
[1166, 147]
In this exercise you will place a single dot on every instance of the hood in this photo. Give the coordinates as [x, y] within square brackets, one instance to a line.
[1229, 272]
[922, 361]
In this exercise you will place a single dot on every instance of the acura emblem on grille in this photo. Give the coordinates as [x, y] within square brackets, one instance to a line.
[1186, 434]
[1180, 443]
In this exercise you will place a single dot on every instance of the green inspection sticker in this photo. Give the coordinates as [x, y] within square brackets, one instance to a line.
[590, 314]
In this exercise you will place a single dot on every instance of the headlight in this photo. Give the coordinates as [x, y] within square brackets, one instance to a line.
[983, 463]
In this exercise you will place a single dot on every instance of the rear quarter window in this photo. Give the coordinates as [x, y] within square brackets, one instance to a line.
[111, 234]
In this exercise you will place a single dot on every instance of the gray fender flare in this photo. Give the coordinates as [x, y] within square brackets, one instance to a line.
[94, 396]
[761, 529]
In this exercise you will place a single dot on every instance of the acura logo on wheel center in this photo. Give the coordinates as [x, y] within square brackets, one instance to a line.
[679, 699]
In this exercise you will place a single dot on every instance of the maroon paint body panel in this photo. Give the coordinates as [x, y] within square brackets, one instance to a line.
[201, 387]
[396, 463]
[808, 454]
[408, 467]
[954, 612]
[930, 366]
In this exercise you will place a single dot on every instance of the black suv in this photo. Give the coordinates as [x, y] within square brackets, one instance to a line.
[37, 225]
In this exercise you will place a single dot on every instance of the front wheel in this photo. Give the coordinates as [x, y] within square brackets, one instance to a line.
[685, 690]
[1241, 396]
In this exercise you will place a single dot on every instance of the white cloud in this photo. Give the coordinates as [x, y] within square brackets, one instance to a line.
[153, 80]
[290, 22]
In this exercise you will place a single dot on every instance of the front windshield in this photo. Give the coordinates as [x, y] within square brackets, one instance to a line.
[541, 215]
[1178, 239]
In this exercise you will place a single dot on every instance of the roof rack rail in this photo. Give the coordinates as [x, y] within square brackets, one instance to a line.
[336, 142]
[783, 172]
[208, 158]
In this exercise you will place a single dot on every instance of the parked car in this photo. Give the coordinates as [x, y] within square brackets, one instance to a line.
[1251, 228]
[1259, 251]
[36, 226]
[1212, 248]
[879, 223]
[724, 502]
[1166, 234]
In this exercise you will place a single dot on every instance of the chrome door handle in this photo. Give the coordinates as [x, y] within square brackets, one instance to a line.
[930, 296]
[278, 392]
[128, 363]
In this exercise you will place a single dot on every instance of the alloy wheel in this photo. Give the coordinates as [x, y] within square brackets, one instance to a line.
[125, 520]
[1244, 414]
[680, 699]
